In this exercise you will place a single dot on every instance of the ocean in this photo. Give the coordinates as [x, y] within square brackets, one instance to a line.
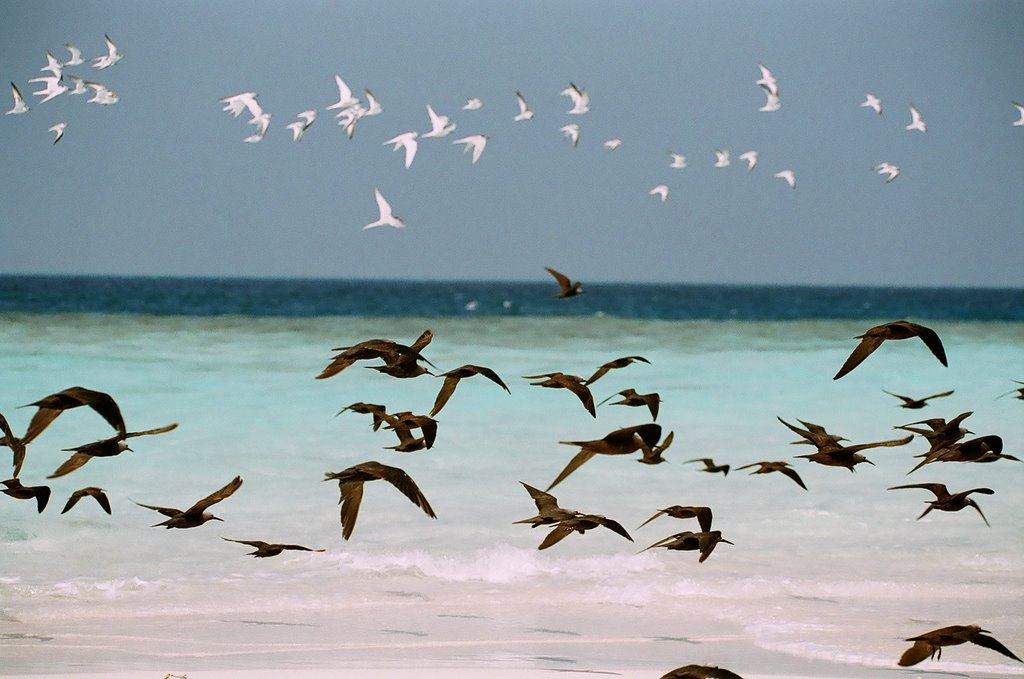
[822, 582]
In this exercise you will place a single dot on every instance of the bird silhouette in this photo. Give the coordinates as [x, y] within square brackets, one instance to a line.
[613, 365]
[929, 644]
[73, 397]
[16, 445]
[15, 489]
[574, 383]
[265, 549]
[379, 412]
[702, 514]
[917, 403]
[619, 442]
[350, 484]
[710, 466]
[946, 501]
[398, 358]
[630, 397]
[894, 330]
[566, 287]
[775, 466]
[704, 542]
[108, 447]
[451, 380]
[196, 515]
[90, 491]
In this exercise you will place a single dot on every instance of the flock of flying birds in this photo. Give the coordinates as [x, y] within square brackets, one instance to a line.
[352, 109]
[53, 85]
[947, 442]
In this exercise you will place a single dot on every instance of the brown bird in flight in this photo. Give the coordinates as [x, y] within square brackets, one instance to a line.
[630, 397]
[702, 514]
[350, 484]
[566, 288]
[379, 412]
[710, 466]
[573, 383]
[929, 644]
[91, 491]
[613, 365]
[566, 521]
[20, 492]
[265, 549]
[946, 501]
[73, 397]
[196, 515]
[619, 442]
[451, 380]
[109, 447]
[399, 360]
[895, 330]
[16, 444]
[704, 542]
[775, 466]
[917, 403]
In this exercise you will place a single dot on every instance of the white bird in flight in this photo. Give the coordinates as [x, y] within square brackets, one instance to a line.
[306, 119]
[767, 81]
[477, 142]
[872, 102]
[105, 96]
[789, 176]
[262, 123]
[373, 106]
[472, 104]
[613, 144]
[52, 89]
[678, 160]
[751, 158]
[1020, 109]
[237, 103]
[722, 158]
[387, 218]
[661, 190]
[888, 168]
[406, 140]
[916, 121]
[58, 129]
[571, 132]
[110, 58]
[772, 104]
[345, 98]
[439, 125]
[580, 99]
[19, 101]
[524, 110]
[79, 87]
[52, 65]
[76, 55]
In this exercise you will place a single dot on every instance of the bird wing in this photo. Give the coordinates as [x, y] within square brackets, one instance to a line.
[989, 642]
[351, 497]
[583, 393]
[939, 489]
[556, 535]
[166, 511]
[544, 501]
[147, 432]
[53, 405]
[70, 465]
[255, 544]
[447, 389]
[659, 513]
[860, 352]
[575, 463]
[704, 516]
[791, 473]
[404, 483]
[491, 375]
[939, 395]
[879, 444]
[916, 653]
[932, 341]
[614, 526]
[216, 496]
[563, 281]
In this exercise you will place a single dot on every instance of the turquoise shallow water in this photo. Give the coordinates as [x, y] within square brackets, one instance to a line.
[838, 574]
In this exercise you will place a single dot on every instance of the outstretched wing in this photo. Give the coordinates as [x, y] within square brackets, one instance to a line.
[932, 341]
[556, 535]
[860, 352]
[70, 465]
[403, 482]
[147, 432]
[216, 496]
[989, 642]
[575, 463]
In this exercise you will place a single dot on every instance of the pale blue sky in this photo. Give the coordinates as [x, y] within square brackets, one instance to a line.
[161, 182]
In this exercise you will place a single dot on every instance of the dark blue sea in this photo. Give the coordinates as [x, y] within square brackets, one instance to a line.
[438, 299]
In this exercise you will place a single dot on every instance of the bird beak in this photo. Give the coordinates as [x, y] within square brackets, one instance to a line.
[727, 542]
[129, 449]
[216, 518]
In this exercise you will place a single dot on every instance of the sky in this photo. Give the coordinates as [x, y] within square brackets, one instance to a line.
[161, 183]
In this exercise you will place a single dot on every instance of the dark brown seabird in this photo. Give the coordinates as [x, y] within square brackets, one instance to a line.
[379, 412]
[619, 442]
[73, 397]
[20, 492]
[613, 365]
[16, 444]
[573, 383]
[917, 403]
[265, 549]
[635, 399]
[710, 466]
[775, 466]
[895, 330]
[350, 484]
[929, 644]
[90, 491]
[566, 521]
[451, 380]
[399, 359]
[702, 514]
[196, 515]
[946, 501]
[704, 542]
[566, 288]
[109, 447]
